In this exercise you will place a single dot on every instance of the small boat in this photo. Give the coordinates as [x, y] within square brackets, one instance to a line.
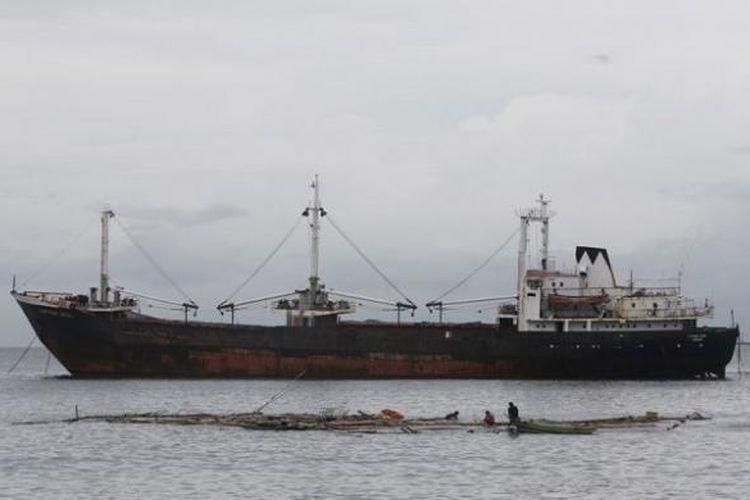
[556, 300]
[549, 427]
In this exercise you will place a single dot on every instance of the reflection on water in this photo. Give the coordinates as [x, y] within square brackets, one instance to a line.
[697, 459]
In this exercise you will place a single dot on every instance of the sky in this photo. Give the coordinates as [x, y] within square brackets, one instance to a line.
[201, 124]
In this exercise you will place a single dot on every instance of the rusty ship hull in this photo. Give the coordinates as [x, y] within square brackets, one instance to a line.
[129, 344]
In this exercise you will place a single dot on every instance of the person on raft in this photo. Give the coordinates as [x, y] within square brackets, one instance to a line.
[512, 413]
[489, 418]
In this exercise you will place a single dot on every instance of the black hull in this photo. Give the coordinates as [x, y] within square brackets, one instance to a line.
[131, 345]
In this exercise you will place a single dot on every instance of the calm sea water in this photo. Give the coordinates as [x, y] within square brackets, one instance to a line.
[708, 459]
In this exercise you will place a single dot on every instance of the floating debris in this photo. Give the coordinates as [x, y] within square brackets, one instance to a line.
[649, 418]
[361, 422]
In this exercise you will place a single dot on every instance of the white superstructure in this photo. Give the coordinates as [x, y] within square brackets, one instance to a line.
[589, 298]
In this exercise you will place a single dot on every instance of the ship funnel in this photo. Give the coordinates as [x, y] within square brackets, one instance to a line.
[595, 264]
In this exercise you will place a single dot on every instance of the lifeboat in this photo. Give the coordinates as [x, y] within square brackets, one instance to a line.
[556, 300]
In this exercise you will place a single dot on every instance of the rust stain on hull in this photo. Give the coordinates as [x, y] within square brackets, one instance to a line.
[266, 363]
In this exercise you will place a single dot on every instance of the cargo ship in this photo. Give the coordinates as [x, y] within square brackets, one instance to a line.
[577, 324]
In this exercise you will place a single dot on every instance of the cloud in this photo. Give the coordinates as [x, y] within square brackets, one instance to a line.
[429, 125]
[562, 122]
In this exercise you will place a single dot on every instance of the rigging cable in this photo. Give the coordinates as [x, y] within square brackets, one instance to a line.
[264, 262]
[479, 268]
[153, 262]
[281, 393]
[23, 355]
[46, 365]
[369, 262]
[58, 255]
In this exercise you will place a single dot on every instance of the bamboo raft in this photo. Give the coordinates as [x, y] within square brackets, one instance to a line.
[360, 422]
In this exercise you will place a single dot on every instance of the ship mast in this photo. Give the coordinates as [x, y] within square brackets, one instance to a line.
[104, 264]
[523, 239]
[537, 214]
[317, 212]
[313, 306]
[544, 219]
[313, 301]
